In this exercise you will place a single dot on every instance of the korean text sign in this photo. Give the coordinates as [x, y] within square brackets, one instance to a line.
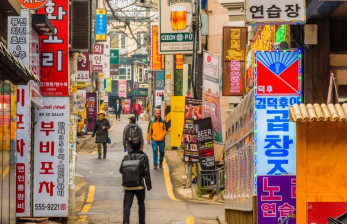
[23, 145]
[51, 158]
[91, 106]
[100, 24]
[98, 57]
[276, 199]
[273, 11]
[156, 57]
[55, 50]
[275, 135]
[83, 67]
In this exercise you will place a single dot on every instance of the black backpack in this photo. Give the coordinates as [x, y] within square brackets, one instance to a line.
[131, 171]
[133, 137]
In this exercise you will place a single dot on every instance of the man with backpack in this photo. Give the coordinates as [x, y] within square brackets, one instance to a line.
[132, 135]
[135, 173]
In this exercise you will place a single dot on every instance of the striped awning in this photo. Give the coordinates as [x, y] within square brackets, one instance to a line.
[318, 112]
[13, 68]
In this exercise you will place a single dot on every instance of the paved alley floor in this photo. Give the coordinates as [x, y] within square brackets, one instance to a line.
[104, 200]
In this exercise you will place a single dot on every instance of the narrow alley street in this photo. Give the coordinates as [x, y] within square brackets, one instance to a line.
[104, 200]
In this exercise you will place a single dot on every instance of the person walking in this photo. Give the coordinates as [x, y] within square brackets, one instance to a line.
[101, 131]
[118, 109]
[156, 135]
[135, 178]
[137, 110]
[132, 135]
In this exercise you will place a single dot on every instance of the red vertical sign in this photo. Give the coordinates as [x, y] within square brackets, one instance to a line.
[55, 50]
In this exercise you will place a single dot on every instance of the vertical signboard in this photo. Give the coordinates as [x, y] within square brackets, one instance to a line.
[211, 95]
[51, 158]
[179, 61]
[234, 48]
[23, 145]
[91, 106]
[122, 88]
[276, 199]
[106, 59]
[156, 57]
[159, 81]
[55, 50]
[18, 36]
[114, 62]
[34, 53]
[100, 25]
[205, 143]
[175, 36]
[98, 55]
[177, 115]
[83, 67]
[127, 106]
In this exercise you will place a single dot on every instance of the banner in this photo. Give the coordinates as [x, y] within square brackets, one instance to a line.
[156, 57]
[100, 24]
[55, 50]
[177, 115]
[276, 199]
[211, 95]
[108, 85]
[91, 106]
[127, 106]
[23, 155]
[83, 67]
[234, 48]
[51, 179]
[205, 143]
[122, 88]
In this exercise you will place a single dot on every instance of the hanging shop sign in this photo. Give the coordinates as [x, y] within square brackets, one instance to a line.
[205, 143]
[275, 135]
[18, 36]
[211, 94]
[177, 115]
[156, 57]
[175, 36]
[82, 74]
[276, 199]
[114, 62]
[23, 155]
[122, 88]
[278, 73]
[98, 57]
[55, 50]
[106, 58]
[275, 12]
[160, 81]
[34, 52]
[100, 25]
[51, 158]
[234, 48]
[179, 61]
[32, 4]
[91, 106]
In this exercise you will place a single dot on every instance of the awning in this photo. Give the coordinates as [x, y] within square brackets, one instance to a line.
[11, 68]
[318, 112]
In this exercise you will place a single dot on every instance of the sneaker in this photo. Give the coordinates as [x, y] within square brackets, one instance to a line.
[104, 156]
[99, 156]
[155, 167]
[161, 164]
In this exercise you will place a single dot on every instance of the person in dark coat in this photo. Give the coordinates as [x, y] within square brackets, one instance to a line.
[118, 109]
[126, 141]
[101, 131]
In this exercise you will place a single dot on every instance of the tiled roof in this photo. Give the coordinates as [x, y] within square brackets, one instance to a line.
[318, 112]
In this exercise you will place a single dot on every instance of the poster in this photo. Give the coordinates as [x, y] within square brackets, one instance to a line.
[276, 199]
[177, 115]
[82, 74]
[91, 106]
[205, 143]
[23, 155]
[55, 50]
[211, 95]
[275, 135]
[175, 35]
[122, 88]
[51, 158]
[127, 106]
[158, 97]
[156, 57]
[234, 49]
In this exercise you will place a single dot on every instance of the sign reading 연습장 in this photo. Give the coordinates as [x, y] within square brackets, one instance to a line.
[23, 145]
[275, 12]
[54, 50]
[174, 27]
[51, 158]
[276, 199]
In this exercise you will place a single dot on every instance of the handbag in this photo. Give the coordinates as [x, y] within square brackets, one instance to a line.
[108, 140]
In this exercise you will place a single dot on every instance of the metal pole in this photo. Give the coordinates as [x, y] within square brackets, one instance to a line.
[195, 29]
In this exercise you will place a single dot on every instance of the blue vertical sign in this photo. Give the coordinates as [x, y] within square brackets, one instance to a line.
[100, 24]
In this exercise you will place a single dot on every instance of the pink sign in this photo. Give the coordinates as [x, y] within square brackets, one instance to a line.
[127, 106]
[122, 88]
[235, 77]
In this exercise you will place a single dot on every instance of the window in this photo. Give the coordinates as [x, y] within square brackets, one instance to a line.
[125, 72]
[140, 72]
[140, 40]
[121, 40]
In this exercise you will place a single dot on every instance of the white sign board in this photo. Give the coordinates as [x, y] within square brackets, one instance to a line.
[106, 58]
[158, 97]
[51, 158]
[23, 145]
[18, 36]
[275, 12]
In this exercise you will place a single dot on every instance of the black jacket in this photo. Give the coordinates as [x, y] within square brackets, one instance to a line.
[126, 142]
[101, 135]
[119, 108]
[145, 166]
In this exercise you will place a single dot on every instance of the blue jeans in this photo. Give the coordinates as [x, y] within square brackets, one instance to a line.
[155, 145]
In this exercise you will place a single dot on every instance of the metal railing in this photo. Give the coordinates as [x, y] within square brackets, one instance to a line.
[211, 179]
